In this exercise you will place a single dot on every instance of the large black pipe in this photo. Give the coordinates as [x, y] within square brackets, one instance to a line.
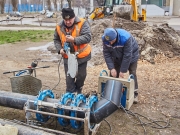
[109, 102]
[26, 129]
[100, 110]
[17, 100]
[14, 100]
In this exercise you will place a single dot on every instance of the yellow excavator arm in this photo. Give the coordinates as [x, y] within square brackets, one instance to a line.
[138, 13]
[131, 8]
[97, 13]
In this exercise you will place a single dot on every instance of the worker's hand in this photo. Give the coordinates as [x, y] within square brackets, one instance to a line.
[62, 52]
[69, 38]
[113, 72]
[121, 75]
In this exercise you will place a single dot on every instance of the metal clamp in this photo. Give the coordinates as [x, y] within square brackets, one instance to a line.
[66, 98]
[42, 95]
[80, 98]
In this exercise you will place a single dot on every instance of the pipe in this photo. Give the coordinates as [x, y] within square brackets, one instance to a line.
[100, 110]
[14, 100]
[108, 104]
[25, 129]
[17, 100]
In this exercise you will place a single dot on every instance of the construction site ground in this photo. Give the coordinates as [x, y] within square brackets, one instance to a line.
[158, 75]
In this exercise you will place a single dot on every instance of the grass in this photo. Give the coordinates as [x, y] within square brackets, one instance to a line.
[25, 35]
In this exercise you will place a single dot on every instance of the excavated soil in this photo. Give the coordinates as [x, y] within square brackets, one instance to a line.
[159, 83]
[152, 39]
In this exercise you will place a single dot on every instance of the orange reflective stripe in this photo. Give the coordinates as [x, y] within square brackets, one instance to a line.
[62, 38]
[83, 49]
[85, 52]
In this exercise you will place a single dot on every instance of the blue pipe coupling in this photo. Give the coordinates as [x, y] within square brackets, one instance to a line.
[42, 96]
[99, 109]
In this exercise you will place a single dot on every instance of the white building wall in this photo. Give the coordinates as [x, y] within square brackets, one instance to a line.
[176, 7]
[153, 10]
[171, 7]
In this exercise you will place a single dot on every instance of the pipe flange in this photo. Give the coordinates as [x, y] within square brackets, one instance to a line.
[66, 98]
[42, 95]
[80, 98]
[93, 99]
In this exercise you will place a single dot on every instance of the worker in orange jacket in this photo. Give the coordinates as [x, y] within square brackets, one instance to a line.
[76, 31]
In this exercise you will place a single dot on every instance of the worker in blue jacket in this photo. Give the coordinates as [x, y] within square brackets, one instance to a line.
[121, 53]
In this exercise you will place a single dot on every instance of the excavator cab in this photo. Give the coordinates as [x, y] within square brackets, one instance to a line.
[109, 4]
[105, 8]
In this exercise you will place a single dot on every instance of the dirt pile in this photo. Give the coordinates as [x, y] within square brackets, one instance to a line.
[152, 40]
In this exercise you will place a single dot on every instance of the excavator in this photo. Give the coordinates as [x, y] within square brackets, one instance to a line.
[127, 9]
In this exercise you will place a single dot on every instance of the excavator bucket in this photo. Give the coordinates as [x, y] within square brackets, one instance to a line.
[123, 11]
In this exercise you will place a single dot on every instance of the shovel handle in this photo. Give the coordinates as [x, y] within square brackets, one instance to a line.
[25, 69]
[7, 72]
[45, 67]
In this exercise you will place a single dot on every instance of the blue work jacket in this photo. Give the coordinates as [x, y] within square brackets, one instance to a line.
[123, 52]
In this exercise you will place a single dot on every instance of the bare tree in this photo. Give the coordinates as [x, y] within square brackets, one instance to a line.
[61, 4]
[25, 2]
[99, 2]
[14, 4]
[76, 3]
[55, 4]
[49, 4]
[2, 4]
[69, 3]
[9, 4]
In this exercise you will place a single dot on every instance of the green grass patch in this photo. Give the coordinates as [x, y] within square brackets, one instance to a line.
[25, 35]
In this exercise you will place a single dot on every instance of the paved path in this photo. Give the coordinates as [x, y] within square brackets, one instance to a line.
[27, 24]
[25, 28]
[174, 23]
[28, 21]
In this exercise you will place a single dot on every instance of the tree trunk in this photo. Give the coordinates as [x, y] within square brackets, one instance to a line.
[14, 4]
[69, 3]
[49, 5]
[61, 4]
[55, 5]
[2, 4]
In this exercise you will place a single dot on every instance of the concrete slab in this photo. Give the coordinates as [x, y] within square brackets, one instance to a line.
[174, 21]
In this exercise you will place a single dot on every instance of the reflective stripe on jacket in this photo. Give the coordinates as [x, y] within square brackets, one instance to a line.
[83, 49]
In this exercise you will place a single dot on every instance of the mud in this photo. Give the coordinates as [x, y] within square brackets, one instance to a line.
[159, 83]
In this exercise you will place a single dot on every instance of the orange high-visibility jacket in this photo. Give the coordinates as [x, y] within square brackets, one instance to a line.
[83, 49]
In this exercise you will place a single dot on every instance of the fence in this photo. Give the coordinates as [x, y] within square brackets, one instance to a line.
[24, 8]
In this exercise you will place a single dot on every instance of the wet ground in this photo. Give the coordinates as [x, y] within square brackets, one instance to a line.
[159, 89]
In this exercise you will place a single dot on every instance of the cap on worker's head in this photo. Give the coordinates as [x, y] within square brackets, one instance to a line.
[68, 13]
[109, 34]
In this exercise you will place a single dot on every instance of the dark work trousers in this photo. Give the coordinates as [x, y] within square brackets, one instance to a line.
[75, 84]
[132, 70]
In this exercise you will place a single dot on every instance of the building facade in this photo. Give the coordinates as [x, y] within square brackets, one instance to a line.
[171, 6]
[176, 7]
